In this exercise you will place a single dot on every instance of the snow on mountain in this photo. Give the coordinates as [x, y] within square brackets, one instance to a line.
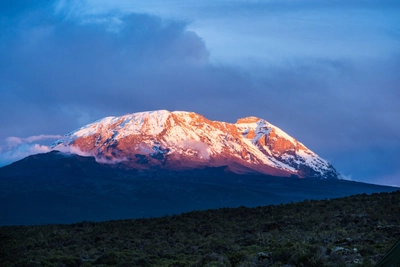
[185, 140]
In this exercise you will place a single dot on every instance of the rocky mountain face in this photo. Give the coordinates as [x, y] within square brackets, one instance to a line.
[185, 140]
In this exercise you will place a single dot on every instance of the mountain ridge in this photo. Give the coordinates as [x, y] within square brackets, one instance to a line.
[182, 140]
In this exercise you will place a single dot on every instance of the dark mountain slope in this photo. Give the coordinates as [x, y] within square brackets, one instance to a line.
[62, 188]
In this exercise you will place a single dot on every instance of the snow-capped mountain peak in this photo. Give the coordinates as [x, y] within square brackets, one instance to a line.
[186, 140]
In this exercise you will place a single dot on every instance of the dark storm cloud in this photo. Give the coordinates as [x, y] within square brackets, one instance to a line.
[52, 65]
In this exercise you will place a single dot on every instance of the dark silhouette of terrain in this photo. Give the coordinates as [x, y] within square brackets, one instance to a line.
[350, 231]
[65, 188]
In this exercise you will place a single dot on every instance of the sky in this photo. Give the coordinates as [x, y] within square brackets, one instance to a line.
[325, 72]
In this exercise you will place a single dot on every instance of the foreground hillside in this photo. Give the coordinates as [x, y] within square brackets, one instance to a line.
[350, 231]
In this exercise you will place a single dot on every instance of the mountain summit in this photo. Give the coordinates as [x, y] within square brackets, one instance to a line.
[185, 140]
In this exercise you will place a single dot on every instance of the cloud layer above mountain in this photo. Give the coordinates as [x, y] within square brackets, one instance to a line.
[326, 73]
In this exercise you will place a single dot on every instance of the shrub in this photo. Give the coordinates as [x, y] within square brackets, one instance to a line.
[109, 258]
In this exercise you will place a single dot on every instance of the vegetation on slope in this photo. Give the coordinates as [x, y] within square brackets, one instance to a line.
[350, 231]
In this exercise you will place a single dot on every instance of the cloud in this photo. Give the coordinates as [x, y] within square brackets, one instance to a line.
[345, 177]
[198, 146]
[21, 151]
[72, 150]
[78, 70]
[277, 31]
[75, 150]
[16, 141]
[16, 148]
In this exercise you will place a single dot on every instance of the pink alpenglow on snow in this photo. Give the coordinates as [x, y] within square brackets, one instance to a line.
[182, 140]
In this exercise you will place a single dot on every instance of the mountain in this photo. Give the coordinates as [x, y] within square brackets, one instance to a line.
[156, 163]
[185, 141]
[58, 187]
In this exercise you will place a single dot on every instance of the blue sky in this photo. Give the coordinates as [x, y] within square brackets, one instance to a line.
[326, 73]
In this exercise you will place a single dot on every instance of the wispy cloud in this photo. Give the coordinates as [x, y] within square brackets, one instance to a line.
[16, 148]
[199, 147]
[16, 141]
[346, 177]
[72, 150]
[21, 151]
